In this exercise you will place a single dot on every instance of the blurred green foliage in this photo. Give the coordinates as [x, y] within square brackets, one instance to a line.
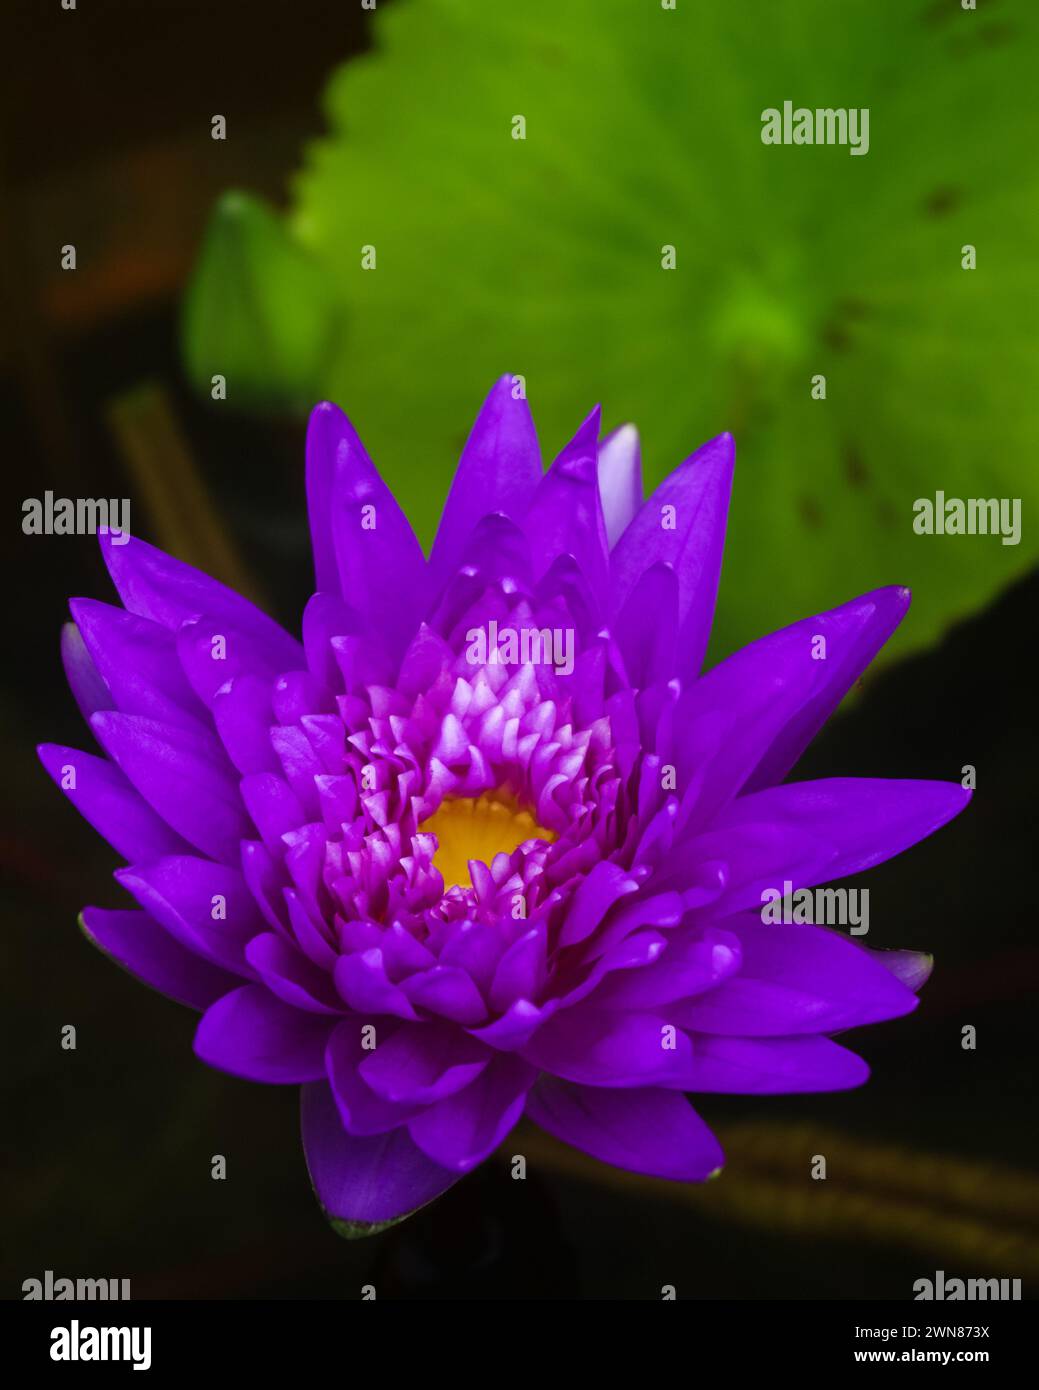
[542, 256]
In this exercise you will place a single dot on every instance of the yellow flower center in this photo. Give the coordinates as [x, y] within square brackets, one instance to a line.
[478, 828]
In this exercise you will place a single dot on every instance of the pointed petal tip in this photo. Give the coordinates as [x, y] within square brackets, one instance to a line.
[911, 968]
[725, 444]
[117, 541]
[717, 456]
[54, 757]
[85, 923]
[900, 595]
[626, 435]
[579, 455]
[502, 401]
[889, 603]
[326, 425]
[503, 398]
[84, 918]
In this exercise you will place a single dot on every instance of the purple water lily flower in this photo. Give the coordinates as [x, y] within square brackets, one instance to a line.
[486, 842]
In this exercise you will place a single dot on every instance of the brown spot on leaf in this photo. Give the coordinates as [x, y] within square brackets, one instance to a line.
[968, 40]
[942, 201]
[836, 336]
[993, 35]
[851, 307]
[855, 469]
[810, 511]
[836, 332]
[938, 13]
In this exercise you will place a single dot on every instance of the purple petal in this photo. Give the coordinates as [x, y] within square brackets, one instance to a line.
[296, 694]
[724, 724]
[772, 1066]
[755, 857]
[423, 1062]
[854, 634]
[597, 1047]
[693, 961]
[243, 717]
[361, 1110]
[273, 806]
[651, 909]
[312, 936]
[85, 681]
[448, 991]
[325, 618]
[796, 979]
[499, 552]
[620, 480]
[324, 431]
[768, 694]
[379, 563]
[105, 799]
[462, 1130]
[137, 659]
[211, 652]
[137, 943]
[426, 657]
[758, 1009]
[365, 1180]
[301, 766]
[290, 976]
[516, 1026]
[252, 1034]
[596, 894]
[647, 625]
[265, 878]
[476, 948]
[912, 968]
[499, 470]
[565, 515]
[520, 974]
[183, 775]
[813, 832]
[167, 591]
[644, 1130]
[207, 907]
[363, 983]
[698, 491]
[634, 952]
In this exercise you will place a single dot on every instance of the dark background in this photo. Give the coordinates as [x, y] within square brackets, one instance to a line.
[931, 1166]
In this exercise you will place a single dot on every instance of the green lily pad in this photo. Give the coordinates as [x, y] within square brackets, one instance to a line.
[543, 256]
